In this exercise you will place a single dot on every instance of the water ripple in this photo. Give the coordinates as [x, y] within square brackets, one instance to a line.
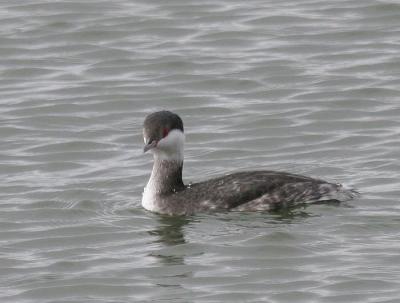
[305, 86]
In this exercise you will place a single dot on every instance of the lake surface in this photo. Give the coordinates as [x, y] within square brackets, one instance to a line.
[307, 86]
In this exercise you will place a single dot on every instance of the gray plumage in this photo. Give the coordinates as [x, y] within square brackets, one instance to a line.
[241, 191]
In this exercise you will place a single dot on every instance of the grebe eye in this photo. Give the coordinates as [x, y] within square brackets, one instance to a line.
[165, 132]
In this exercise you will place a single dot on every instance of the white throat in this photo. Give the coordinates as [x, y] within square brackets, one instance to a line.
[171, 147]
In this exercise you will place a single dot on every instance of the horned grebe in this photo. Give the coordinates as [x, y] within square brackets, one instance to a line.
[166, 193]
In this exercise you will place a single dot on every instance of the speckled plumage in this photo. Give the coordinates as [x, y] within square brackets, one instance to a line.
[242, 191]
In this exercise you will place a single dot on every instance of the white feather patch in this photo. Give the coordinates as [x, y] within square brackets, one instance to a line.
[171, 147]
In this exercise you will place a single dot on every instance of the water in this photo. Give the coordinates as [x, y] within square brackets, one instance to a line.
[304, 86]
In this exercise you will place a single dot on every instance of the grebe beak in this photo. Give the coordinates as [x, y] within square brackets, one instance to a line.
[149, 146]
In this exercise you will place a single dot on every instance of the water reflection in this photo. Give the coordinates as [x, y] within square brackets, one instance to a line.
[290, 215]
[170, 233]
[301, 212]
[284, 215]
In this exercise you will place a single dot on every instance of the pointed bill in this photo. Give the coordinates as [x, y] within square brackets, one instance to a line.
[149, 146]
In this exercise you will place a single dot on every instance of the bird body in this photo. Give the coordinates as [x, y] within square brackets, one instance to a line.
[166, 193]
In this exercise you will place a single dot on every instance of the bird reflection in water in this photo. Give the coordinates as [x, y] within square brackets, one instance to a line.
[170, 233]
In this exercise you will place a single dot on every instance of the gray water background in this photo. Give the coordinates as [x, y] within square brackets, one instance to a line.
[306, 86]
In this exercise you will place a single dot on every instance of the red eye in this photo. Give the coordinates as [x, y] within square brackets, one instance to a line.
[165, 132]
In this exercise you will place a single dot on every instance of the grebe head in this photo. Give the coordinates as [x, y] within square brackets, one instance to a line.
[164, 136]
